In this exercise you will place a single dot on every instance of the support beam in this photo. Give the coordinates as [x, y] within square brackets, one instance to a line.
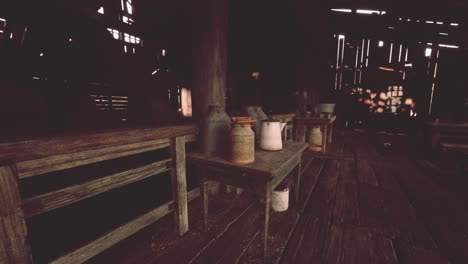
[14, 245]
[312, 42]
[209, 52]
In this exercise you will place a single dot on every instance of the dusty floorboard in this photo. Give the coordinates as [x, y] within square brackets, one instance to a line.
[361, 202]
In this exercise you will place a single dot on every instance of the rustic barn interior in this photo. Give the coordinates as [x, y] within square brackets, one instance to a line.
[144, 131]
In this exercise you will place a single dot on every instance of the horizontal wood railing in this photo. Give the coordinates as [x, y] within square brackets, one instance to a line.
[33, 157]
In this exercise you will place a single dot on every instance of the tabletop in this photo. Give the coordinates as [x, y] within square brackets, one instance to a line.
[267, 163]
[318, 119]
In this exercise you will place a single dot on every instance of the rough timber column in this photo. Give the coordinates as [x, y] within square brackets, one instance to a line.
[209, 52]
[311, 18]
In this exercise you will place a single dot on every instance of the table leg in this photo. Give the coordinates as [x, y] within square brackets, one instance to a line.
[267, 220]
[302, 133]
[204, 193]
[298, 180]
[324, 138]
[330, 134]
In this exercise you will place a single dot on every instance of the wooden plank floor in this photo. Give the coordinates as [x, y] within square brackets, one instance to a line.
[361, 202]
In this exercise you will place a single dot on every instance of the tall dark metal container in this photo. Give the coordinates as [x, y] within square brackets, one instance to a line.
[214, 130]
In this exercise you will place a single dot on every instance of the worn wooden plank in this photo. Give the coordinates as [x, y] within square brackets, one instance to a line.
[384, 174]
[408, 254]
[382, 250]
[333, 245]
[179, 184]
[14, 244]
[365, 172]
[282, 226]
[346, 209]
[97, 246]
[169, 248]
[439, 209]
[313, 241]
[328, 156]
[292, 248]
[372, 209]
[228, 246]
[323, 195]
[60, 162]
[309, 180]
[49, 201]
[355, 244]
[53, 145]
[449, 237]
[349, 244]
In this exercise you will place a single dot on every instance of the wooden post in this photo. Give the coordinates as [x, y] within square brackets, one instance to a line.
[14, 244]
[179, 184]
[311, 66]
[209, 52]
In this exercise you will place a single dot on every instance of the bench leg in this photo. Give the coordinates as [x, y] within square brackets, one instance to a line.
[204, 193]
[267, 220]
[324, 138]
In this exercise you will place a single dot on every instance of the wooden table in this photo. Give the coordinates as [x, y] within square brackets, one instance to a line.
[261, 177]
[287, 133]
[325, 123]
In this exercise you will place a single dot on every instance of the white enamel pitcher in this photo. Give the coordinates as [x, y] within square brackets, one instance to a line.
[270, 135]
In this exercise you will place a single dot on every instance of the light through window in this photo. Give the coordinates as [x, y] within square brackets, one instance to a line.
[344, 10]
[428, 52]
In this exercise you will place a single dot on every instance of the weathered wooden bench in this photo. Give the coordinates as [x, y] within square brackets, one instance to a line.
[459, 147]
[31, 158]
[446, 132]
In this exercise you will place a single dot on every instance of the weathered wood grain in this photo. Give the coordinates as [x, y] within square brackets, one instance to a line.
[54, 145]
[408, 254]
[227, 246]
[322, 199]
[313, 240]
[372, 209]
[60, 162]
[365, 172]
[346, 209]
[349, 244]
[267, 163]
[328, 156]
[49, 201]
[209, 51]
[226, 209]
[14, 245]
[309, 180]
[97, 246]
[179, 184]
[296, 240]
